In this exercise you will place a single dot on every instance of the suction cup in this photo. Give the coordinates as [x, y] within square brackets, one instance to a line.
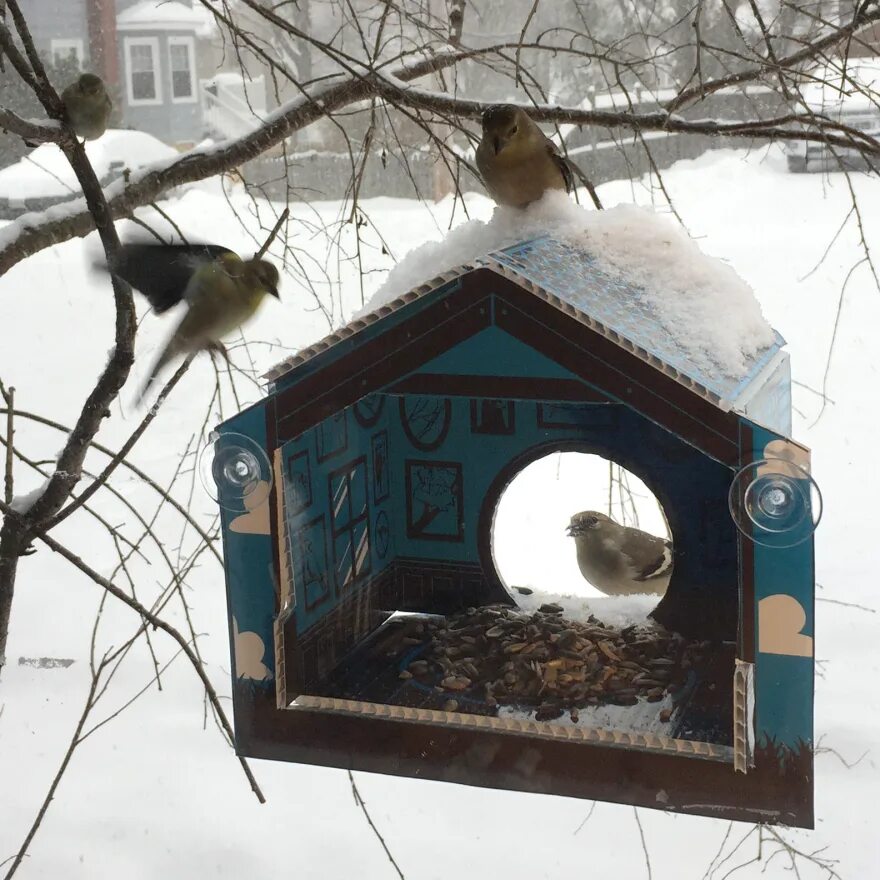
[775, 503]
[235, 472]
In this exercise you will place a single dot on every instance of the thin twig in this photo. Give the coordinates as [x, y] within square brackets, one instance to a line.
[9, 399]
[143, 475]
[122, 454]
[361, 803]
[644, 844]
[275, 229]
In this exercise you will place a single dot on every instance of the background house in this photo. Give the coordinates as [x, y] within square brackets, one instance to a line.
[155, 58]
[158, 46]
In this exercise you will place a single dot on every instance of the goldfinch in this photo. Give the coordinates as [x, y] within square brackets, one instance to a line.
[619, 560]
[518, 162]
[88, 106]
[221, 290]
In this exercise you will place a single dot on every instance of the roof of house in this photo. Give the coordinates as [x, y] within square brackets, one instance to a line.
[569, 279]
[152, 15]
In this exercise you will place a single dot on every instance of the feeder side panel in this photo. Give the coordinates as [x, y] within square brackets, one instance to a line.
[250, 575]
[784, 626]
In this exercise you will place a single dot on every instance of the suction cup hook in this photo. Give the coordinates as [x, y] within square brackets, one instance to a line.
[775, 502]
[235, 472]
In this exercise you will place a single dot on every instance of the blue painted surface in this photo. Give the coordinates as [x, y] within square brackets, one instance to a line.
[495, 353]
[345, 504]
[784, 684]
[442, 466]
[250, 580]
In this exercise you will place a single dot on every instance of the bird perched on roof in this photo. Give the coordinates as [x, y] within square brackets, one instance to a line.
[222, 291]
[619, 560]
[518, 162]
[88, 106]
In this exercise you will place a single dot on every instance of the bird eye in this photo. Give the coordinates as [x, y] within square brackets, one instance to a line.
[514, 129]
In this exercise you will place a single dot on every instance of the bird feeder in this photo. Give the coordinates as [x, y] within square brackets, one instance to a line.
[357, 506]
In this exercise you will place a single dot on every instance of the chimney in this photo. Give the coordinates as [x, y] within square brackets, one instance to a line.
[102, 40]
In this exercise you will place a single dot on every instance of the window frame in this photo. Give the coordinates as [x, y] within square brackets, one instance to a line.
[57, 46]
[190, 43]
[129, 43]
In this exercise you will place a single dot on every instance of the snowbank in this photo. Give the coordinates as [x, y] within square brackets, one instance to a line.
[701, 302]
[46, 173]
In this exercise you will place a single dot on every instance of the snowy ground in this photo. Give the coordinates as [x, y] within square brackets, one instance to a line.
[46, 173]
[155, 794]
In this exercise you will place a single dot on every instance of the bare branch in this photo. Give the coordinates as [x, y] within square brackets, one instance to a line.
[362, 804]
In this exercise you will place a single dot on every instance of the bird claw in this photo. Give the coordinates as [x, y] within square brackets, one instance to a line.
[219, 348]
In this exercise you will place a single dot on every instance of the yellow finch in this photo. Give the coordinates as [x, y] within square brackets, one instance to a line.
[519, 163]
[617, 559]
[222, 291]
[88, 106]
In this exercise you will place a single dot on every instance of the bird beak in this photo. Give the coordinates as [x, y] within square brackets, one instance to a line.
[569, 530]
[274, 292]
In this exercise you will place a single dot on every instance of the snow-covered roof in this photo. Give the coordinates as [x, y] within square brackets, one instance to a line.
[631, 274]
[164, 15]
[46, 173]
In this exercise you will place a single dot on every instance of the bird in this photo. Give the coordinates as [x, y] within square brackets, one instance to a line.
[87, 106]
[221, 289]
[619, 560]
[517, 161]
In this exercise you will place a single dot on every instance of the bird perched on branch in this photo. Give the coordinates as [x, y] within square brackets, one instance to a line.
[222, 291]
[88, 106]
[518, 162]
[619, 560]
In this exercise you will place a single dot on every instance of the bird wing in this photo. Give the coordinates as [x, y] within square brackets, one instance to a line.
[647, 555]
[162, 272]
[562, 164]
[569, 171]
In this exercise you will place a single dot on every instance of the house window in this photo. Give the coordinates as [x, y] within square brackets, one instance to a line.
[67, 51]
[180, 62]
[142, 71]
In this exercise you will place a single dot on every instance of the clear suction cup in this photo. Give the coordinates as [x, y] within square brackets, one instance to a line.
[775, 503]
[235, 472]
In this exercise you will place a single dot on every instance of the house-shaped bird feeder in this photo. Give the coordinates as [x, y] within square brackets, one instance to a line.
[370, 627]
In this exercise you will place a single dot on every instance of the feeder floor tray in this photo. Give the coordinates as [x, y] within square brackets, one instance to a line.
[503, 662]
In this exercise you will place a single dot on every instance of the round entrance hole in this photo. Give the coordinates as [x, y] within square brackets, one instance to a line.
[530, 544]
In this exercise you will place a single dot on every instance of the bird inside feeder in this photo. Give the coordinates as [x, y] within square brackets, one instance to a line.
[620, 560]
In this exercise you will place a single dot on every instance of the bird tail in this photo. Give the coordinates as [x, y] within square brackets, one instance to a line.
[170, 351]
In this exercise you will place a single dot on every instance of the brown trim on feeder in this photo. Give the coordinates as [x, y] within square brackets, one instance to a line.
[590, 355]
[510, 387]
[377, 363]
[504, 760]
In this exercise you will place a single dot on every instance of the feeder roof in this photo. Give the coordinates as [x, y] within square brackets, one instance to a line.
[573, 281]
